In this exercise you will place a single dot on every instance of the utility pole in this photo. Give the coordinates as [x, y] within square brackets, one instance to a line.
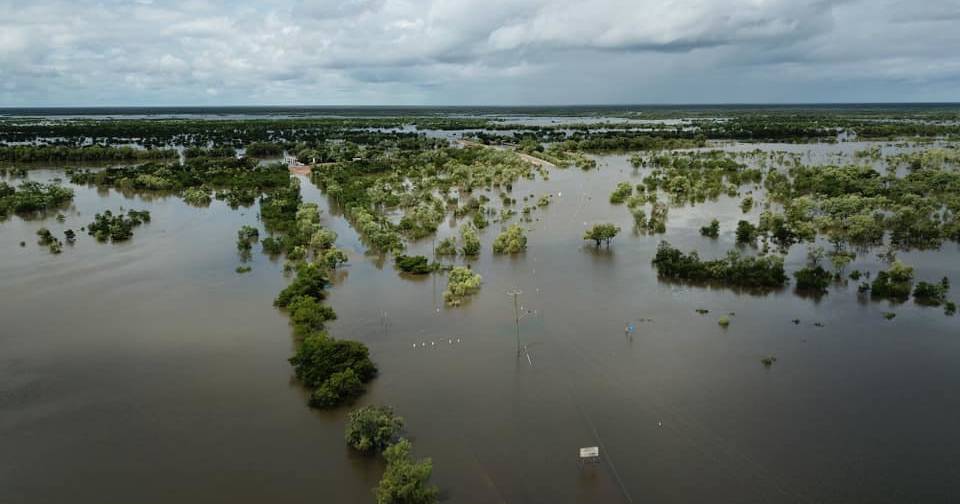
[516, 314]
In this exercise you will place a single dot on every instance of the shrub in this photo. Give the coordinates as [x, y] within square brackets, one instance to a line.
[511, 241]
[813, 278]
[746, 232]
[342, 387]
[932, 294]
[246, 236]
[311, 280]
[405, 481]
[471, 241]
[623, 191]
[334, 369]
[461, 283]
[308, 315]
[893, 284]
[711, 231]
[447, 247]
[372, 428]
[417, 265]
[196, 196]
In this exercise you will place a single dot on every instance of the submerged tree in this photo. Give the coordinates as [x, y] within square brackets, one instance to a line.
[471, 241]
[511, 241]
[461, 283]
[405, 481]
[601, 233]
[711, 231]
[372, 428]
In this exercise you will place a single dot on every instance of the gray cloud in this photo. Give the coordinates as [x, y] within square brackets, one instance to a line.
[86, 52]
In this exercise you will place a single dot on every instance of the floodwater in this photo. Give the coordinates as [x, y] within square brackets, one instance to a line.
[151, 372]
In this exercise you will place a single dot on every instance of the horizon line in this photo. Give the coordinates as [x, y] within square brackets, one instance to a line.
[554, 105]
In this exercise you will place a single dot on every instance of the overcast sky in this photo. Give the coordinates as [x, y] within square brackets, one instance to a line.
[439, 52]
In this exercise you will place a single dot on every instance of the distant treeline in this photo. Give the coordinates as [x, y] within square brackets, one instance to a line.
[55, 153]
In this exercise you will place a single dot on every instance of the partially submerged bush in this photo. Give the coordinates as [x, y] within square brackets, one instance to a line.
[372, 428]
[511, 241]
[308, 315]
[813, 279]
[417, 265]
[932, 294]
[894, 283]
[712, 230]
[446, 247]
[405, 481]
[334, 369]
[107, 226]
[311, 281]
[461, 283]
[746, 233]
[471, 241]
[623, 191]
[246, 237]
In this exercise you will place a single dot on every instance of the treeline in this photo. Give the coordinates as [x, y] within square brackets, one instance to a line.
[53, 153]
[236, 133]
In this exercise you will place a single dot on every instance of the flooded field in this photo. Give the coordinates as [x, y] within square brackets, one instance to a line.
[125, 368]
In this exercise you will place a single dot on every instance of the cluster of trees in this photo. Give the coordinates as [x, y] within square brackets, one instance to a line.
[116, 228]
[732, 270]
[32, 197]
[238, 180]
[334, 370]
[695, 177]
[424, 185]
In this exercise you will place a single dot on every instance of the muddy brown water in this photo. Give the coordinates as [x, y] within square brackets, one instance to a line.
[150, 371]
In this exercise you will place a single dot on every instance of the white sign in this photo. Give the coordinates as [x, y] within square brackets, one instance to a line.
[590, 452]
